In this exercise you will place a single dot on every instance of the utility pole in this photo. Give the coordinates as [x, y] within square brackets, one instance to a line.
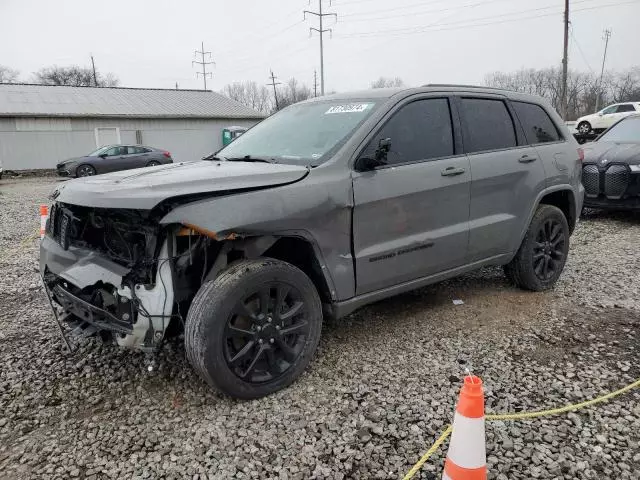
[204, 64]
[95, 78]
[565, 61]
[315, 83]
[321, 31]
[176, 85]
[605, 37]
[275, 92]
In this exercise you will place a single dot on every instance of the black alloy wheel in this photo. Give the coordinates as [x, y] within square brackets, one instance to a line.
[543, 252]
[548, 250]
[85, 171]
[266, 333]
[253, 329]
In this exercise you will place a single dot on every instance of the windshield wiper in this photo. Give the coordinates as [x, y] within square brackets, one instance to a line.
[249, 158]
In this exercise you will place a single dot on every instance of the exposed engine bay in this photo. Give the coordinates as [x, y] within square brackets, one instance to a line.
[121, 275]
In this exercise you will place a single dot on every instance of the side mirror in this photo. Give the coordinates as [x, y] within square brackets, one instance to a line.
[380, 157]
[103, 155]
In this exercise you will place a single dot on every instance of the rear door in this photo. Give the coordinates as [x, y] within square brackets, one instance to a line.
[411, 215]
[506, 175]
[623, 110]
[558, 157]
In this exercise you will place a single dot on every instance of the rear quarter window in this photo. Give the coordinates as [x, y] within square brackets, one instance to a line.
[538, 126]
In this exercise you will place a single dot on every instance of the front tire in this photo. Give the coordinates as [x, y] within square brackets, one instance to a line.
[254, 329]
[584, 128]
[85, 171]
[543, 252]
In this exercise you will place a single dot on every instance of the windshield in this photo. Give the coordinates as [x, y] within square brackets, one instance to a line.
[97, 152]
[627, 131]
[307, 133]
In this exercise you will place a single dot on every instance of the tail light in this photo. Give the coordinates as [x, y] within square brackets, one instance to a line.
[166, 154]
[581, 155]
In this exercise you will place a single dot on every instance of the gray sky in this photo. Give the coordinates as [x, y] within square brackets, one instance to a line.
[151, 43]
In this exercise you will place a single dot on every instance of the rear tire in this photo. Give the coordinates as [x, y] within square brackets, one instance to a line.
[153, 163]
[543, 252]
[254, 329]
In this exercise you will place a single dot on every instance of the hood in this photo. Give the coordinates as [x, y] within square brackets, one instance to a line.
[144, 188]
[604, 153]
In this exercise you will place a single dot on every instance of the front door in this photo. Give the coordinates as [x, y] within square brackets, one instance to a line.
[507, 174]
[411, 215]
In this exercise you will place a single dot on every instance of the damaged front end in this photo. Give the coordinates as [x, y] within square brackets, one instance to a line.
[112, 273]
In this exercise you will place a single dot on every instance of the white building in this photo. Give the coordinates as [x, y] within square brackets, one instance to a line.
[41, 125]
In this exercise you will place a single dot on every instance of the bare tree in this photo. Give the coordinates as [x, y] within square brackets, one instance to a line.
[8, 75]
[582, 88]
[250, 94]
[293, 92]
[384, 82]
[74, 76]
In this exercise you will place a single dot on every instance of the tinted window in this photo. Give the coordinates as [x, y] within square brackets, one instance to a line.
[626, 131]
[135, 150]
[538, 127]
[625, 108]
[488, 125]
[418, 131]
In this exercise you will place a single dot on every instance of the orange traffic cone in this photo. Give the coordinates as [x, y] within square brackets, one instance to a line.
[467, 456]
[44, 215]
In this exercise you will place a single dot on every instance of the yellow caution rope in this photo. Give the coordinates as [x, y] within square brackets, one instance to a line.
[521, 416]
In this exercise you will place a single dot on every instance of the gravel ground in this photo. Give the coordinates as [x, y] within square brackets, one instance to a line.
[381, 389]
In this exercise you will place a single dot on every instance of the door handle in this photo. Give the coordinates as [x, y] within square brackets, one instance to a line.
[527, 159]
[450, 171]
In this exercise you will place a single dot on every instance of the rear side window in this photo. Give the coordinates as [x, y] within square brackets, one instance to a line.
[420, 130]
[625, 108]
[538, 127]
[487, 125]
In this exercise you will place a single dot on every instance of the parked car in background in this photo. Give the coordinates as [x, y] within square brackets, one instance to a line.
[611, 169]
[1, 171]
[113, 158]
[598, 122]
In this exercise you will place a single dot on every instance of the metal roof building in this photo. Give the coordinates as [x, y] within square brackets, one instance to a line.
[41, 125]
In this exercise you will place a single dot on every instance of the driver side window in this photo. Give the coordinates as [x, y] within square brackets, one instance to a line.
[420, 130]
[112, 151]
[609, 110]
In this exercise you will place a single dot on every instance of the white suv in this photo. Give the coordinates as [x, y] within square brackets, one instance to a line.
[600, 121]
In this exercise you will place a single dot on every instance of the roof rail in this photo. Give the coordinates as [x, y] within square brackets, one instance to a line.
[464, 86]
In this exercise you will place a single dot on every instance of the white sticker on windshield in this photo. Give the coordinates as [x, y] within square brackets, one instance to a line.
[349, 108]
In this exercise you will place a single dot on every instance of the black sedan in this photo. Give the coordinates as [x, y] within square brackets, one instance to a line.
[113, 158]
[611, 169]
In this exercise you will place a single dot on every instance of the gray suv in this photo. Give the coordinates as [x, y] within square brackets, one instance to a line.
[326, 206]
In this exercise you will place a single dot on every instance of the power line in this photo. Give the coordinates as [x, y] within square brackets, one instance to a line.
[395, 9]
[457, 24]
[575, 41]
[427, 12]
[204, 64]
[606, 36]
[321, 31]
[275, 91]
